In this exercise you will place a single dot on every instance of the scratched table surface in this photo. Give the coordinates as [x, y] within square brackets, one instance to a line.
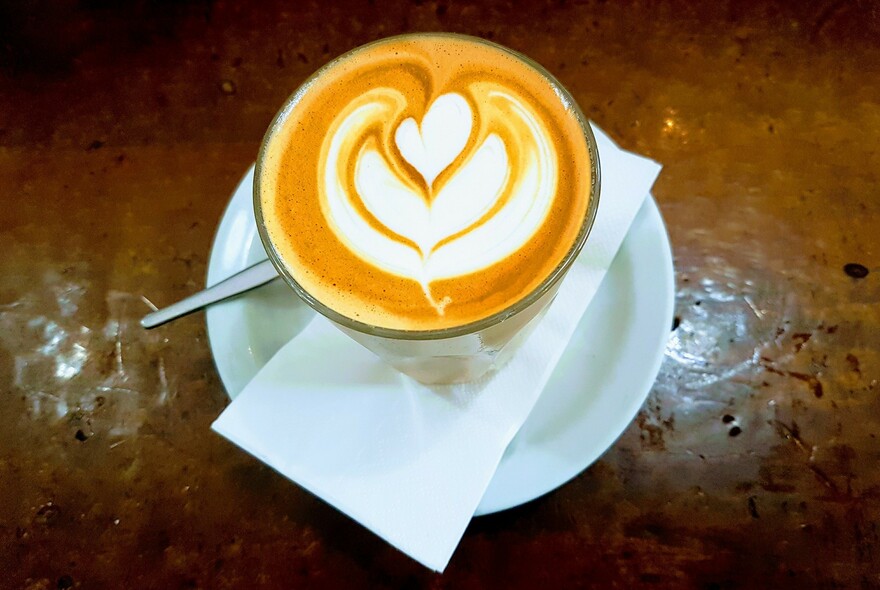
[754, 461]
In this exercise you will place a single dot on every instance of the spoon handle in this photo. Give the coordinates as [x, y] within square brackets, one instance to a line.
[250, 278]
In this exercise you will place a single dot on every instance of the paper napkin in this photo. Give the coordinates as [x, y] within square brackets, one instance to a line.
[408, 461]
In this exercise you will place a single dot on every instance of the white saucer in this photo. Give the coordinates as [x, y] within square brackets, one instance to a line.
[595, 392]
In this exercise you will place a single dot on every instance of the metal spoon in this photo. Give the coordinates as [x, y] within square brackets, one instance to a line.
[250, 278]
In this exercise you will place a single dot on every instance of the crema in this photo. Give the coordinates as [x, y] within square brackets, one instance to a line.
[424, 182]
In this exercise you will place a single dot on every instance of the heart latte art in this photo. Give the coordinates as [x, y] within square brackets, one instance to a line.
[424, 182]
[483, 210]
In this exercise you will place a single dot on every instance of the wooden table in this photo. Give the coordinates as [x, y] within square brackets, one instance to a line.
[754, 462]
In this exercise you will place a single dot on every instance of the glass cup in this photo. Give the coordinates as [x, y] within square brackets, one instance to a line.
[459, 353]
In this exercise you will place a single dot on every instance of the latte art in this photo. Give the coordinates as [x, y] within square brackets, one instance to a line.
[425, 183]
[481, 212]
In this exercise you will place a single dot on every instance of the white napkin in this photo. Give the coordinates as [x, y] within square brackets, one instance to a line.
[408, 461]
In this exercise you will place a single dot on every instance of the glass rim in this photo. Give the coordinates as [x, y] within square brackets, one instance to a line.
[452, 331]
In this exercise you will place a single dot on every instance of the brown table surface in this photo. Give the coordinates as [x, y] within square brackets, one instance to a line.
[754, 462]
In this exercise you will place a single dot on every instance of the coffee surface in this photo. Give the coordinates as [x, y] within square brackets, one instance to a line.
[424, 182]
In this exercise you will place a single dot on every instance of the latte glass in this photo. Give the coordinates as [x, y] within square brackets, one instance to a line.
[460, 353]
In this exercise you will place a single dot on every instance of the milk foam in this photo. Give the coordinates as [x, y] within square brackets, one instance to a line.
[425, 182]
[448, 229]
[443, 133]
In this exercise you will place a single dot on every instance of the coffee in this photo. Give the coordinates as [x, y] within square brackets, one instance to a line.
[425, 182]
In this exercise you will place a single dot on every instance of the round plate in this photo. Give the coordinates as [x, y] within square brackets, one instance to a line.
[596, 390]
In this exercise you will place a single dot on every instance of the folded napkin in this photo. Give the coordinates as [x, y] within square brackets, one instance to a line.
[408, 461]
